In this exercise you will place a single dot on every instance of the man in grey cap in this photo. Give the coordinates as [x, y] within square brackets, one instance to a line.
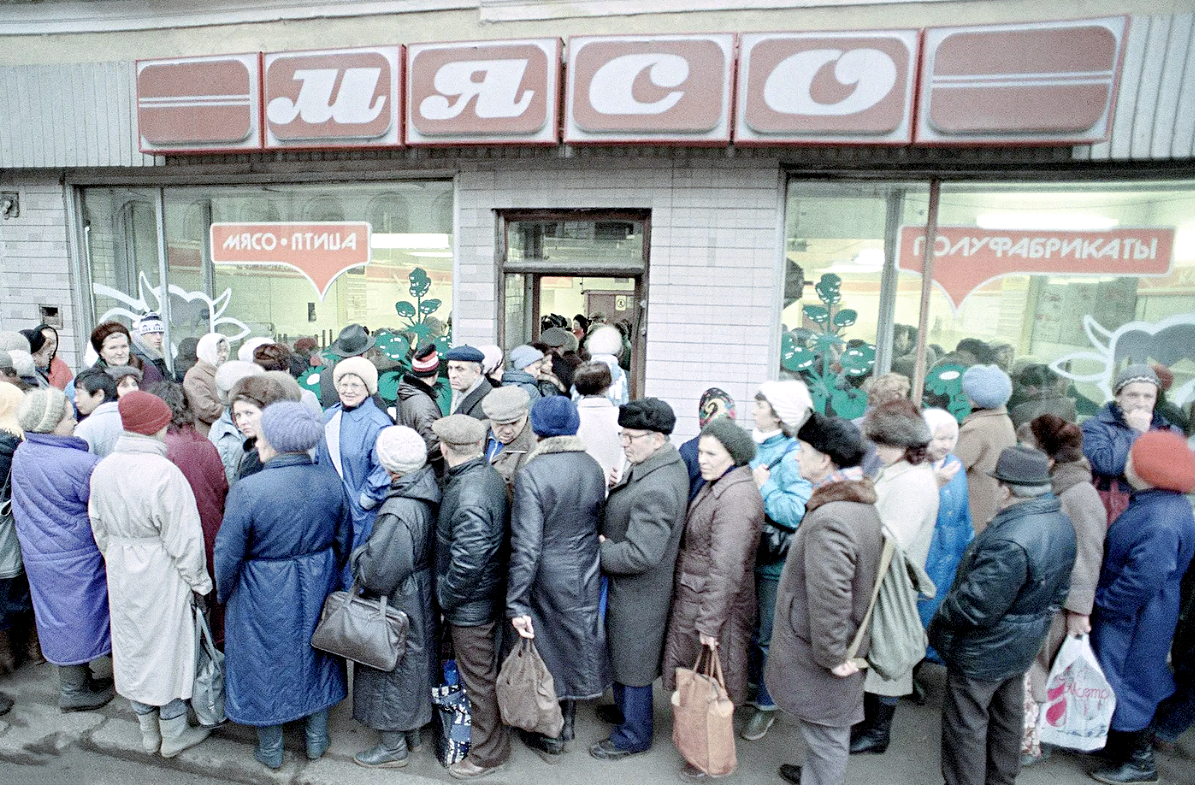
[470, 532]
[468, 383]
[1012, 579]
[511, 439]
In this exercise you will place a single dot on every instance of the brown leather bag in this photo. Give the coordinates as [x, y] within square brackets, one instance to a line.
[703, 716]
[527, 692]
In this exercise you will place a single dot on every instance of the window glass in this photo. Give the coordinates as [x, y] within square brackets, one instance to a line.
[120, 240]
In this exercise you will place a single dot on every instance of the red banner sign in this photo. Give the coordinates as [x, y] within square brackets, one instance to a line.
[965, 257]
[320, 251]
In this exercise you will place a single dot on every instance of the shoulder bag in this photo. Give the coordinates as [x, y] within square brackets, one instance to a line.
[366, 631]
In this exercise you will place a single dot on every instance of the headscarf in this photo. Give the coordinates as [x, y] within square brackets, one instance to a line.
[208, 347]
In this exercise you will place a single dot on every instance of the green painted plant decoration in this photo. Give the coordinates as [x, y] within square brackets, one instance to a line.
[420, 311]
[813, 358]
[946, 381]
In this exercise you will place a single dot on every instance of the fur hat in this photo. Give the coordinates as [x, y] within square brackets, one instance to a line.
[401, 450]
[1163, 460]
[1135, 373]
[6, 361]
[714, 403]
[35, 337]
[555, 415]
[259, 390]
[23, 364]
[789, 400]
[10, 401]
[834, 436]
[560, 338]
[648, 414]
[459, 430]
[363, 369]
[291, 427]
[897, 423]
[522, 356]
[1057, 438]
[604, 340]
[231, 372]
[102, 331]
[987, 386]
[245, 353]
[291, 390]
[737, 442]
[41, 410]
[143, 413]
[505, 404]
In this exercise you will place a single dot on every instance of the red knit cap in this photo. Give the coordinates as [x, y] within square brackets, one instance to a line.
[1164, 460]
[143, 413]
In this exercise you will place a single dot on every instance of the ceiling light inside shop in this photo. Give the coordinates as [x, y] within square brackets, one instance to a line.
[1184, 244]
[408, 241]
[1044, 221]
[869, 260]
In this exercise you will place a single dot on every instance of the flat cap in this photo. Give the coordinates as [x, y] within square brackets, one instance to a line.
[649, 414]
[465, 354]
[459, 430]
[505, 404]
[559, 337]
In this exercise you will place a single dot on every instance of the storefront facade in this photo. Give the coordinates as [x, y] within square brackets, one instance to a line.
[738, 243]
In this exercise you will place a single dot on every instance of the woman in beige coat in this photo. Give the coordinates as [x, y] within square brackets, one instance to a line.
[907, 501]
[146, 524]
[984, 433]
[200, 381]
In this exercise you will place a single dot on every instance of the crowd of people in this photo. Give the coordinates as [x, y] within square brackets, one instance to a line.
[538, 501]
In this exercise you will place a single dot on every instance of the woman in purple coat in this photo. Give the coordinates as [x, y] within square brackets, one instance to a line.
[51, 485]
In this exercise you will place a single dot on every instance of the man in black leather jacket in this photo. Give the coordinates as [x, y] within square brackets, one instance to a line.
[470, 532]
[1012, 579]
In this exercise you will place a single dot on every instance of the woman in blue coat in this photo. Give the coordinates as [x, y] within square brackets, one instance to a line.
[1146, 552]
[279, 553]
[351, 429]
[51, 486]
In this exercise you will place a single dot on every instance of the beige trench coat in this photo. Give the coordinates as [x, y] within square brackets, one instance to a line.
[981, 437]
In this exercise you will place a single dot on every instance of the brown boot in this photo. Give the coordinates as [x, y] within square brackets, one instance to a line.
[8, 663]
[33, 653]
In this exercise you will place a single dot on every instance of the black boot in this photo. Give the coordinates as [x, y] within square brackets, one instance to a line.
[569, 710]
[1135, 766]
[869, 717]
[874, 739]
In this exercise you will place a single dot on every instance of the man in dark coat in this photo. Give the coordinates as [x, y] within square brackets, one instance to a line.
[554, 582]
[645, 517]
[511, 439]
[826, 584]
[470, 530]
[469, 385]
[1012, 579]
[417, 405]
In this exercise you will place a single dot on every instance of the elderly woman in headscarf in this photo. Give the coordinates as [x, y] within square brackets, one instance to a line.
[351, 428]
[273, 577]
[907, 501]
[200, 381]
[396, 562]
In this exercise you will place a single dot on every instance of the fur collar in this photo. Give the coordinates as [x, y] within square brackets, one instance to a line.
[557, 444]
[861, 491]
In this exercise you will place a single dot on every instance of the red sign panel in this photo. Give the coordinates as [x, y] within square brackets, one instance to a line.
[491, 92]
[966, 258]
[320, 251]
[822, 88]
[341, 98]
[1034, 83]
[650, 89]
[199, 104]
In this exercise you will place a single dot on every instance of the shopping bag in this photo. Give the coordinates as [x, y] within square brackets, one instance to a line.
[452, 726]
[207, 691]
[1079, 699]
[527, 692]
[366, 631]
[703, 716]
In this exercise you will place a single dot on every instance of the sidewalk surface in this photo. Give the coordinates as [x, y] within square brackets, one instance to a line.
[35, 734]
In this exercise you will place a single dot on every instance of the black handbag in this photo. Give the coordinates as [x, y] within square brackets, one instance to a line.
[775, 537]
[366, 631]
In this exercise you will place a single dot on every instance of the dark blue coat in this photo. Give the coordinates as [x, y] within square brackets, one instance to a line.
[953, 532]
[278, 555]
[51, 485]
[1146, 553]
[1107, 439]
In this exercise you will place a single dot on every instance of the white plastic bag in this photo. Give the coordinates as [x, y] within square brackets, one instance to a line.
[1079, 700]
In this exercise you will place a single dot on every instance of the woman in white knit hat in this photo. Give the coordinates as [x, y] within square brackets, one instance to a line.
[396, 562]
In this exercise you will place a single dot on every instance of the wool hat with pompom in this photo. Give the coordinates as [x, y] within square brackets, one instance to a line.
[143, 413]
[291, 427]
[1163, 460]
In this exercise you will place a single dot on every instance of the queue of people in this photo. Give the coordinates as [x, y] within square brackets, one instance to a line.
[530, 507]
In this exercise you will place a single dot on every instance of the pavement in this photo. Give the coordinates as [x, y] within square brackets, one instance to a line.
[36, 737]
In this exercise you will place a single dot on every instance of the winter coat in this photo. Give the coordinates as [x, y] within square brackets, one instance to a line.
[10, 545]
[820, 603]
[1107, 439]
[1071, 483]
[51, 486]
[907, 501]
[60, 373]
[203, 395]
[507, 459]
[522, 379]
[417, 408]
[982, 436]
[396, 562]
[146, 524]
[554, 575]
[273, 577]
[153, 365]
[1147, 550]
[715, 579]
[471, 403]
[348, 447]
[600, 432]
[952, 534]
[1011, 581]
[101, 429]
[470, 534]
[645, 519]
[786, 491]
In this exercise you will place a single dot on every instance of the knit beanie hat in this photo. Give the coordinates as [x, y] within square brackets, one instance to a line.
[493, 358]
[1164, 460]
[426, 361]
[150, 323]
[143, 413]
[648, 414]
[1135, 373]
[834, 436]
[604, 340]
[897, 424]
[363, 369]
[42, 410]
[231, 372]
[714, 403]
[401, 450]
[789, 399]
[10, 402]
[11, 339]
[737, 442]
[522, 356]
[291, 427]
[555, 415]
[987, 386]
